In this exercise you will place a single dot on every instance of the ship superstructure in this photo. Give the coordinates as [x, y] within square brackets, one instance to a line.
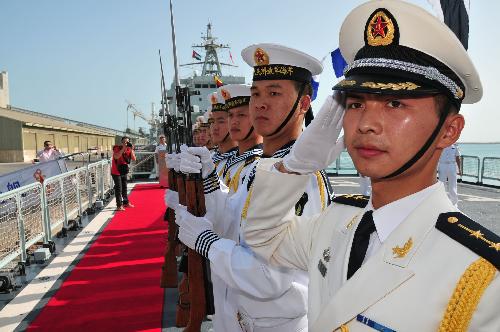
[211, 69]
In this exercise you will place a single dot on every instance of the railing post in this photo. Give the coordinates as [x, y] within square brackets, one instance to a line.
[45, 219]
[480, 180]
[78, 197]
[20, 223]
[47, 213]
[63, 201]
[89, 186]
[461, 167]
[101, 182]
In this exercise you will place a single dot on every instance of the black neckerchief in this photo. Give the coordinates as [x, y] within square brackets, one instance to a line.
[221, 156]
[280, 153]
[236, 158]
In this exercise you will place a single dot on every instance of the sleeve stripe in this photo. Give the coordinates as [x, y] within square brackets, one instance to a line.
[204, 242]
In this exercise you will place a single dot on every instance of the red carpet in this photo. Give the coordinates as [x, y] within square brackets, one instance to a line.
[115, 287]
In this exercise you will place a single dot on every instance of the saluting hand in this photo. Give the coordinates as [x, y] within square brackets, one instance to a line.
[318, 146]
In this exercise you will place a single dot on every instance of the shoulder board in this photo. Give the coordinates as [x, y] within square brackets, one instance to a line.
[470, 234]
[353, 200]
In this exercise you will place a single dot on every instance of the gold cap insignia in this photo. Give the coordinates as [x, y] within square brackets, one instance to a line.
[380, 30]
[260, 57]
[213, 99]
[225, 94]
[400, 252]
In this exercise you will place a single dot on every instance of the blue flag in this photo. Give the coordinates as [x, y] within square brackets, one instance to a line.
[315, 86]
[338, 63]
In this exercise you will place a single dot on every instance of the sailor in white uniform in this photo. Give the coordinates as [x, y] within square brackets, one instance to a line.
[219, 190]
[219, 133]
[267, 298]
[236, 98]
[405, 259]
[447, 171]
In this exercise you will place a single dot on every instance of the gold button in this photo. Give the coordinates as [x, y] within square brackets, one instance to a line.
[452, 220]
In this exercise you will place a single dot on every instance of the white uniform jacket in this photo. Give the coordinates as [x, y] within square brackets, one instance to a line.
[407, 285]
[219, 212]
[270, 297]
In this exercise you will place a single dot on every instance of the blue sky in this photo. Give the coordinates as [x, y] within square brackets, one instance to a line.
[82, 59]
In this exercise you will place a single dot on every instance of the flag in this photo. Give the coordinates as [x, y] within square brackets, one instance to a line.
[455, 14]
[218, 81]
[315, 86]
[338, 63]
[231, 57]
[196, 56]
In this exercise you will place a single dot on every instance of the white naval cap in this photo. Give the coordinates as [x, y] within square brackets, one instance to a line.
[395, 47]
[278, 62]
[234, 95]
[216, 101]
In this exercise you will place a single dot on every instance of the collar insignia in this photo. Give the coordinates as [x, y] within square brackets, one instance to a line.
[380, 29]
[260, 57]
[402, 252]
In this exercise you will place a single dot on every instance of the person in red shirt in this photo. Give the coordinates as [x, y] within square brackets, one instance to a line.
[122, 155]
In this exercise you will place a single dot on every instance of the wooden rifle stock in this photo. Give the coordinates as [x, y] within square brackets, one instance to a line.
[183, 304]
[196, 267]
[169, 268]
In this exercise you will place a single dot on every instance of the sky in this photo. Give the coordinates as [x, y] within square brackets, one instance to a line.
[83, 59]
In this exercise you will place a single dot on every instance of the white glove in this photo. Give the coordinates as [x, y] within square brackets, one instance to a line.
[317, 147]
[172, 199]
[195, 159]
[173, 160]
[195, 232]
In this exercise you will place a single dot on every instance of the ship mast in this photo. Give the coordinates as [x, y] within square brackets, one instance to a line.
[211, 64]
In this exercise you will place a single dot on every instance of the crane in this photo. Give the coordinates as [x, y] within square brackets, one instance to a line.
[131, 107]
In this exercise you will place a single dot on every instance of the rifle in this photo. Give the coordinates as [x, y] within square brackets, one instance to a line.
[200, 290]
[190, 193]
[169, 268]
[184, 303]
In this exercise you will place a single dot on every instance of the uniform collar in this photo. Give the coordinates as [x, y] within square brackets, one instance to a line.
[281, 152]
[388, 217]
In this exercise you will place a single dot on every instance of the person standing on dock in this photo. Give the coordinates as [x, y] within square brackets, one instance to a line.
[219, 192]
[267, 298]
[122, 155]
[405, 259]
[49, 152]
[160, 156]
[365, 185]
[447, 170]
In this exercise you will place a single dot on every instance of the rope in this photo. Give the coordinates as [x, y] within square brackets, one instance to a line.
[466, 296]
